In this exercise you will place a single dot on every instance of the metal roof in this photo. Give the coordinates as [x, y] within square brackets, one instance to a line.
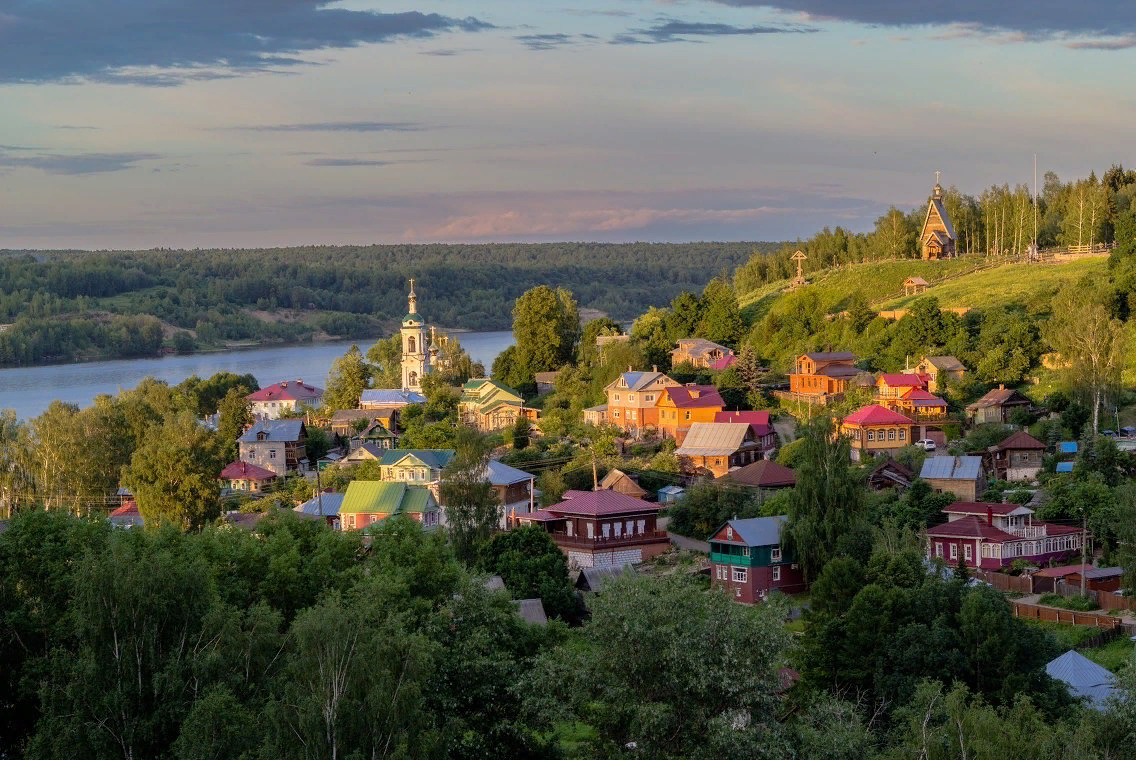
[1064, 467]
[951, 468]
[595, 578]
[1084, 678]
[276, 430]
[946, 363]
[1067, 447]
[434, 458]
[531, 611]
[758, 531]
[713, 439]
[494, 583]
[391, 396]
[377, 497]
[501, 474]
[331, 504]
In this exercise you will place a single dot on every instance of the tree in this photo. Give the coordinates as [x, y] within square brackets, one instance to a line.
[471, 505]
[173, 474]
[521, 429]
[546, 325]
[721, 319]
[588, 352]
[825, 511]
[705, 507]
[346, 380]
[715, 693]
[532, 565]
[1091, 341]
[235, 415]
[385, 357]
[684, 317]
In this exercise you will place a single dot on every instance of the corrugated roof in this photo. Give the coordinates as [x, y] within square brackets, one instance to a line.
[951, 468]
[1064, 467]
[1067, 447]
[288, 390]
[997, 397]
[1084, 678]
[501, 474]
[690, 396]
[971, 527]
[389, 498]
[1019, 440]
[391, 396]
[275, 430]
[531, 611]
[757, 531]
[331, 504]
[600, 503]
[724, 363]
[900, 380]
[981, 508]
[434, 458]
[713, 439]
[750, 418]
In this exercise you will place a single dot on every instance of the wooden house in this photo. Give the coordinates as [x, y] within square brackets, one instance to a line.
[748, 561]
[242, 476]
[421, 466]
[680, 406]
[941, 371]
[997, 406]
[875, 429]
[763, 475]
[489, 406]
[1097, 578]
[376, 434]
[515, 489]
[759, 423]
[961, 476]
[918, 404]
[373, 399]
[270, 402]
[820, 377]
[631, 400]
[892, 385]
[618, 480]
[937, 238]
[890, 474]
[546, 381]
[1016, 458]
[347, 422]
[276, 445]
[914, 286]
[713, 448]
[602, 528]
[992, 536]
[369, 501]
[699, 352]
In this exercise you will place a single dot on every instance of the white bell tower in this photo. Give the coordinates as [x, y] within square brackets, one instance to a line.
[415, 365]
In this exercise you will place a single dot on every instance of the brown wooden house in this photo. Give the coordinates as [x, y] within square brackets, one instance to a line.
[823, 375]
[714, 448]
[997, 406]
[1016, 458]
[938, 236]
[618, 480]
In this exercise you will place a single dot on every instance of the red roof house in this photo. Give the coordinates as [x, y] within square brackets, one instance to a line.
[763, 431]
[681, 406]
[602, 528]
[875, 429]
[893, 385]
[991, 536]
[243, 476]
[269, 402]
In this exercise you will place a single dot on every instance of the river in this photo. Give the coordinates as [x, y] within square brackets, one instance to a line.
[29, 390]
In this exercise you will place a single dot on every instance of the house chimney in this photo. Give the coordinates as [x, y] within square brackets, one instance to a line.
[628, 367]
[654, 367]
[1001, 386]
[989, 515]
[284, 384]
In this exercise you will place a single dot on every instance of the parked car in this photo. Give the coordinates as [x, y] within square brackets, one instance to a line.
[1109, 433]
[926, 444]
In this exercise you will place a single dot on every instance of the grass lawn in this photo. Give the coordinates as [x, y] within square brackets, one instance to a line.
[1022, 283]
[571, 737]
[1113, 655]
[1068, 636]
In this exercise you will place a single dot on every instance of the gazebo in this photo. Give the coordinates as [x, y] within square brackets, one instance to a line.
[913, 286]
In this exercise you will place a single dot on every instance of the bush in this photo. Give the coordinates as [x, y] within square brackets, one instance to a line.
[1076, 603]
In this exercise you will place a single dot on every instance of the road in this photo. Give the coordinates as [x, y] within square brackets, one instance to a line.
[683, 542]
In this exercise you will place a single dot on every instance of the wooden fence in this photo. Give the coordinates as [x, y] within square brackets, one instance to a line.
[1106, 600]
[1058, 615]
[1003, 582]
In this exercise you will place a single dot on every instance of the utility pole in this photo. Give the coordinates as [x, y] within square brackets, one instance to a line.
[1035, 248]
[1084, 546]
[319, 490]
[595, 478]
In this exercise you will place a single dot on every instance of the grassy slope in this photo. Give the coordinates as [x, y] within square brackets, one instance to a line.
[881, 282]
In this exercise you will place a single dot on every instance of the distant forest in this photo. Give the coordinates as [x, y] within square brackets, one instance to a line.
[73, 305]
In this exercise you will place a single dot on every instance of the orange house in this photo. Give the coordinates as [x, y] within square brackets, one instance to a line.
[917, 402]
[631, 400]
[679, 407]
[823, 374]
[876, 430]
[893, 385]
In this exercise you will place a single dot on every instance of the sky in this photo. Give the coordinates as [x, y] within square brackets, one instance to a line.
[238, 123]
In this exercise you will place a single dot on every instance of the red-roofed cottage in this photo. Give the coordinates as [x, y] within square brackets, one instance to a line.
[991, 536]
[602, 528]
[891, 385]
[242, 476]
[1018, 457]
[876, 429]
[681, 406]
[270, 402]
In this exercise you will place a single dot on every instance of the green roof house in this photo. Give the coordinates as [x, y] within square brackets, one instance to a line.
[369, 501]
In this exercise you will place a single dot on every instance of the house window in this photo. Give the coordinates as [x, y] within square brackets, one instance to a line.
[649, 397]
[606, 527]
[630, 396]
[569, 527]
[642, 527]
[618, 528]
[902, 433]
[630, 530]
[954, 551]
[630, 414]
[615, 414]
[968, 553]
[871, 435]
[776, 572]
[775, 555]
[739, 575]
[687, 415]
[891, 434]
[729, 533]
[617, 397]
[591, 530]
[938, 548]
[272, 453]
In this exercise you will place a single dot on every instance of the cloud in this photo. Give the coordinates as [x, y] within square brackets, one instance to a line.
[447, 52]
[1037, 20]
[1104, 43]
[165, 43]
[348, 162]
[77, 164]
[673, 30]
[333, 126]
[546, 41]
[76, 127]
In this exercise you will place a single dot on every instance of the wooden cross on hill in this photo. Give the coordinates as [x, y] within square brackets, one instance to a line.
[799, 257]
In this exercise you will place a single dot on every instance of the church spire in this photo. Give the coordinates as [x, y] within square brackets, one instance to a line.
[937, 193]
[412, 299]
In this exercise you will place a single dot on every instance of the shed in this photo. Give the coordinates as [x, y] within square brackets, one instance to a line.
[1067, 447]
[762, 474]
[593, 579]
[494, 583]
[961, 476]
[531, 611]
[618, 480]
[670, 494]
[1084, 678]
[1064, 467]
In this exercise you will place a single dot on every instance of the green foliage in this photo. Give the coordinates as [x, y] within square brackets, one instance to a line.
[532, 565]
[721, 320]
[472, 509]
[346, 380]
[1078, 603]
[235, 414]
[546, 327]
[706, 506]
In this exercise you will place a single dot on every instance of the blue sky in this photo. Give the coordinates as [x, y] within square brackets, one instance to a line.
[142, 123]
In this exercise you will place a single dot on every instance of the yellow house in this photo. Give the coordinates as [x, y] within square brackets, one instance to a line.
[876, 430]
[893, 384]
[488, 405]
[940, 368]
[681, 406]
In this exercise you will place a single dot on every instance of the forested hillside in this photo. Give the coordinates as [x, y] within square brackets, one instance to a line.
[69, 305]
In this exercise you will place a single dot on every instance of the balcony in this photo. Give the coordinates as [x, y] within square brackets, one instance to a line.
[599, 543]
[1026, 531]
